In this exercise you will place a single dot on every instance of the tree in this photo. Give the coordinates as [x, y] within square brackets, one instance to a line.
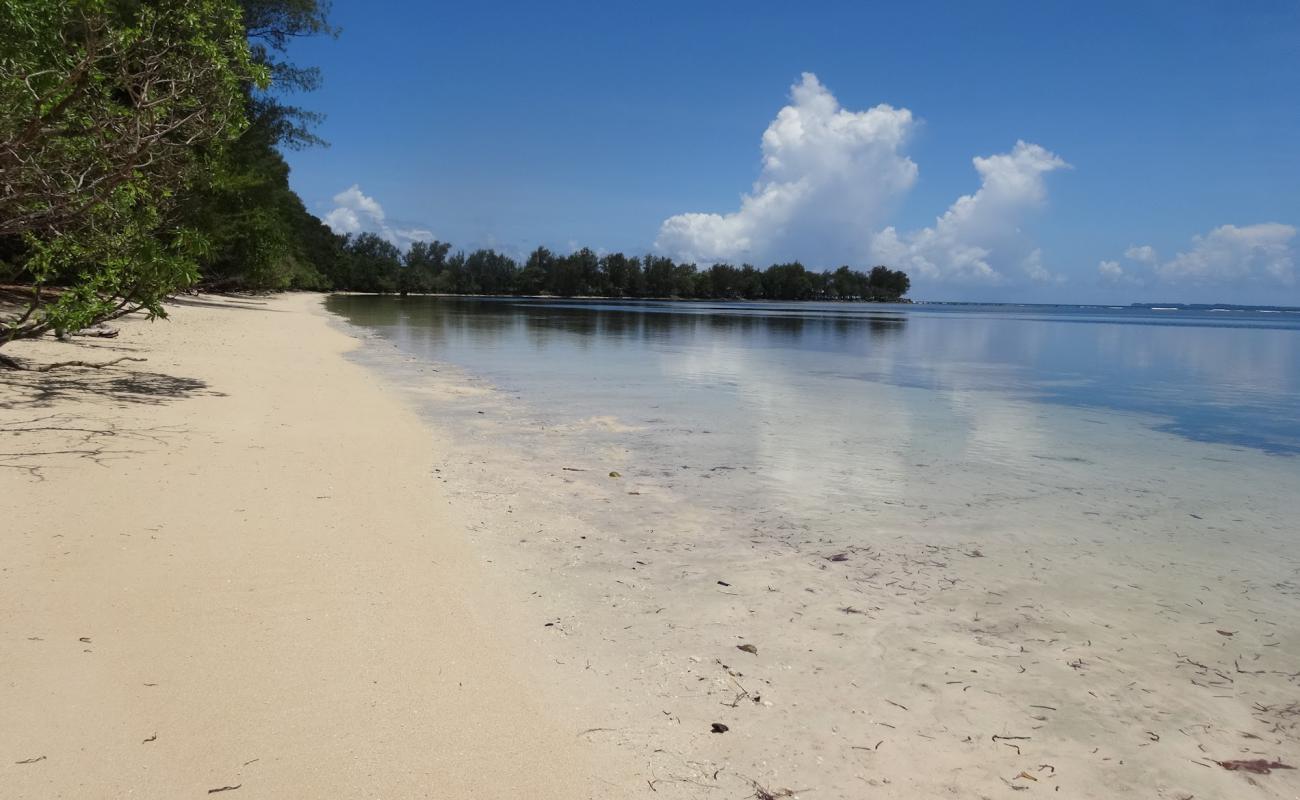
[452, 278]
[489, 272]
[540, 271]
[109, 108]
[787, 282]
[98, 94]
[255, 221]
[374, 264]
[427, 267]
[252, 219]
[846, 284]
[751, 282]
[888, 284]
[660, 276]
[269, 26]
[619, 275]
[422, 265]
[581, 274]
[566, 277]
[532, 278]
[724, 281]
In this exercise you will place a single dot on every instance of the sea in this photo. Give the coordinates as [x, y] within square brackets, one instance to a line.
[1222, 376]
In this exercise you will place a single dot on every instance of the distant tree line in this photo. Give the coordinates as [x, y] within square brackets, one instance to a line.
[369, 263]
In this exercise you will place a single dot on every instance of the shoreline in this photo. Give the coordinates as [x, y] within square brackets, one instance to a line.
[970, 603]
[223, 547]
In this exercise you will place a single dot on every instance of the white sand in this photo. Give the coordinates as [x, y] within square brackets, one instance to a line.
[237, 547]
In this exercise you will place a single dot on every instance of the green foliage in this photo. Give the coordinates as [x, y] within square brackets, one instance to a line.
[257, 225]
[110, 106]
[423, 263]
[262, 236]
[98, 94]
[125, 260]
[270, 25]
[374, 265]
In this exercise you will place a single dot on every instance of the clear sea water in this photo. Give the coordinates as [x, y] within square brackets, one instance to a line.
[1226, 377]
[1012, 486]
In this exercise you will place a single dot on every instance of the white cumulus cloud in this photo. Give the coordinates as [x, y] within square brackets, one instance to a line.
[1252, 251]
[1113, 273]
[828, 176]
[1261, 252]
[978, 238]
[356, 212]
[1034, 268]
[1143, 254]
[829, 179]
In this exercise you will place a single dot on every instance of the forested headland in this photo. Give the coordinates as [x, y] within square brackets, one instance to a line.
[141, 154]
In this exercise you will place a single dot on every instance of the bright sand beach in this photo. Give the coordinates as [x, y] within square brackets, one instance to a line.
[270, 558]
[230, 566]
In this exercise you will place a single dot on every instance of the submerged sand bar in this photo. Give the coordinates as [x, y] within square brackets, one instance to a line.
[313, 569]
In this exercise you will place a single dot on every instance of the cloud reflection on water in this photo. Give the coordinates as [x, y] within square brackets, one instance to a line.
[1218, 378]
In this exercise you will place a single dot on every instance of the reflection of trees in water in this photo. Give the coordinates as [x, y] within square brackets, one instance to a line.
[431, 321]
[1211, 383]
[613, 325]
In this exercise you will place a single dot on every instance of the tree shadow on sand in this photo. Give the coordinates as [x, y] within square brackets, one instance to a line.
[32, 441]
[34, 444]
[35, 390]
[222, 302]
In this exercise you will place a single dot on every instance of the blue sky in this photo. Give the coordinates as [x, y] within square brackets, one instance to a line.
[1129, 151]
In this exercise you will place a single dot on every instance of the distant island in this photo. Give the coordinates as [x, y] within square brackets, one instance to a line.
[369, 263]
